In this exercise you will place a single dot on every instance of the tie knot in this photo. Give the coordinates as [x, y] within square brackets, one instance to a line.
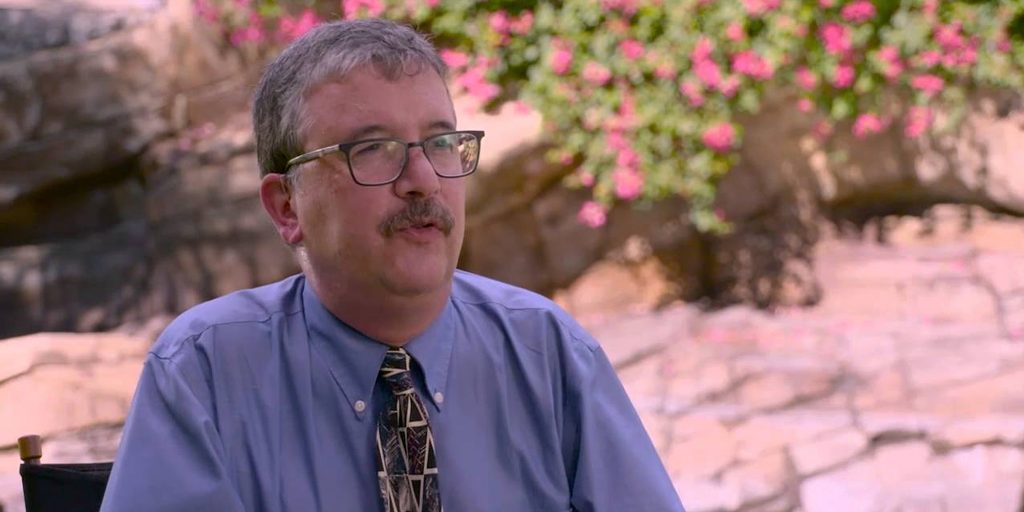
[395, 371]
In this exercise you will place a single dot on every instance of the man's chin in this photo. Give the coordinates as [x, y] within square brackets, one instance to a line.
[411, 282]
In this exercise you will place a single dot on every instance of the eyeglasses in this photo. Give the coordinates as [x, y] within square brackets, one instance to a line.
[381, 161]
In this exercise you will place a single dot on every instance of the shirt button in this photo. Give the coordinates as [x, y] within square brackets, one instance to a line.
[360, 406]
[438, 397]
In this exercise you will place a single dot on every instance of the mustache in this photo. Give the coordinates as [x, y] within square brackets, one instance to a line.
[419, 212]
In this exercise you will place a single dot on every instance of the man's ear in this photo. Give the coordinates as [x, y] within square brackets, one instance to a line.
[279, 202]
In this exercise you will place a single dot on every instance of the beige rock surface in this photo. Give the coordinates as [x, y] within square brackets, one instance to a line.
[866, 406]
[871, 401]
[74, 390]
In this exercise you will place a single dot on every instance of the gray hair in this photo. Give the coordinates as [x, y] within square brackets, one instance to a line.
[328, 52]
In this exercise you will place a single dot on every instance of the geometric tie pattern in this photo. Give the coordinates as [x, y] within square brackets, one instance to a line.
[406, 465]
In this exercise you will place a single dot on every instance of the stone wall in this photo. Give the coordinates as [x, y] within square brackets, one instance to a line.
[112, 198]
[86, 88]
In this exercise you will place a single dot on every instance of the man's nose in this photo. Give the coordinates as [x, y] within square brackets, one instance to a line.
[418, 178]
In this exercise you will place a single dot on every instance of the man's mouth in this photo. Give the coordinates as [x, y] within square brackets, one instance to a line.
[420, 225]
[423, 225]
[419, 217]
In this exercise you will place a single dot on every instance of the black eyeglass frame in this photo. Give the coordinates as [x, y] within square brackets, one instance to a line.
[345, 147]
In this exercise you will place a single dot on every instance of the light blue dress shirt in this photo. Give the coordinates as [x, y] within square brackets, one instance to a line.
[263, 400]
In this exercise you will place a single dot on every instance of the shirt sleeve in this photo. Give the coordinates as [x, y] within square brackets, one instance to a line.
[616, 466]
[171, 457]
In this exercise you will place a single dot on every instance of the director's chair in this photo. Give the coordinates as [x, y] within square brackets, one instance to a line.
[60, 487]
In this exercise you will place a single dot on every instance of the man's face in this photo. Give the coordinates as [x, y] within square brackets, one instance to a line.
[401, 238]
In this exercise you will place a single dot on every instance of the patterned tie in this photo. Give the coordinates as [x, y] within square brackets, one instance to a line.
[406, 467]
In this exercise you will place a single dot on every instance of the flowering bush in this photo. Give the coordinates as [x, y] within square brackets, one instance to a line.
[645, 93]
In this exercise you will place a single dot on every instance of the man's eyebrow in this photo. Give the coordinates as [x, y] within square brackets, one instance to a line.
[366, 132]
[377, 130]
[442, 125]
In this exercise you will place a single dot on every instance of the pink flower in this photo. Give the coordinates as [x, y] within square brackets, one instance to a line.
[596, 73]
[474, 81]
[806, 79]
[889, 56]
[948, 36]
[842, 76]
[858, 11]
[805, 105]
[353, 8]
[826, 3]
[628, 7]
[292, 28]
[729, 86]
[499, 22]
[720, 137]
[522, 24]
[838, 38]
[867, 124]
[693, 93]
[928, 84]
[617, 26]
[1003, 44]
[917, 122]
[246, 35]
[759, 7]
[631, 49]
[627, 159]
[929, 58]
[521, 108]
[823, 130]
[592, 214]
[888, 53]
[627, 109]
[930, 7]
[751, 64]
[586, 178]
[629, 183]
[454, 59]
[707, 71]
[967, 56]
[702, 50]
[735, 31]
[253, 33]
[561, 58]
[432, 3]
[617, 141]
[893, 70]
[206, 11]
[665, 71]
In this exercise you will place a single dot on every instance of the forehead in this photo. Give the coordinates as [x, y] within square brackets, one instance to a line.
[366, 101]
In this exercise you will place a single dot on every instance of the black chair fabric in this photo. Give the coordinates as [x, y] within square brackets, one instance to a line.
[64, 487]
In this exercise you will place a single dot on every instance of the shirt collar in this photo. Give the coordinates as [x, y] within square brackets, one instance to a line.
[354, 358]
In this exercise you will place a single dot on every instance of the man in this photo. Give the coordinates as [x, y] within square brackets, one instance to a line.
[379, 379]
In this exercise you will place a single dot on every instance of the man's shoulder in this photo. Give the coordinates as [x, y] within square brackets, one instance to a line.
[249, 307]
[506, 299]
[471, 288]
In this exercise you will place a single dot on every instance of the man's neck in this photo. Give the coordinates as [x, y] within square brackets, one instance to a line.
[389, 318]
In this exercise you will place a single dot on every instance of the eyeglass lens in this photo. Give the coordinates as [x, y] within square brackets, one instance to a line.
[451, 154]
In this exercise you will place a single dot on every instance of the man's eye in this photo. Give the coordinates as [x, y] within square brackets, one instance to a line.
[368, 149]
[442, 142]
